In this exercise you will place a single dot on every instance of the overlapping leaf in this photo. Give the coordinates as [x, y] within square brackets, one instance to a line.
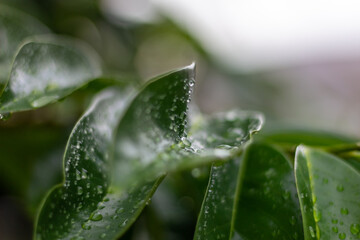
[211, 138]
[46, 69]
[87, 206]
[14, 27]
[97, 199]
[257, 195]
[329, 199]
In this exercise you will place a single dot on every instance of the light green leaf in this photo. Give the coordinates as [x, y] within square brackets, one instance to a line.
[329, 193]
[211, 138]
[251, 198]
[46, 69]
[15, 26]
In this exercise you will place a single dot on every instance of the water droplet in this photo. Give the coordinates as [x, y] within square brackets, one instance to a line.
[99, 189]
[96, 216]
[355, 228]
[334, 221]
[86, 225]
[344, 211]
[42, 101]
[101, 205]
[119, 210]
[314, 199]
[317, 215]
[340, 188]
[342, 235]
[51, 86]
[79, 190]
[83, 173]
[286, 195]
[186, 142]
[78, 175]
[312, 232]
[325, 180]
[335, 229]
[103, 235]
[196, 172]
[124, 223]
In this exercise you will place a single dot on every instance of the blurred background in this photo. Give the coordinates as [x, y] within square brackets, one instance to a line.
[296, 61]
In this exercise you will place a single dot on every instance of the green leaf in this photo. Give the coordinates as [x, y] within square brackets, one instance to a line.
[251, 198]
[211, 138]
[89, 205]
[329, 191]
[268, 207]
[86, 162]
[215, 218]
[96, 199]
[46, 69]
[15, 26]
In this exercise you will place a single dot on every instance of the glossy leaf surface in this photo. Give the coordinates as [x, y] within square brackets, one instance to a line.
[15, 26]
[89, 204]
[329, 192]
[268, 207]
[257, 195]
[217, 210]
[46, 69]
[212, 138]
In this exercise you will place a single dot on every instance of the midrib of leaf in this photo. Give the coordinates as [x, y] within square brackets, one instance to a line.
[218, 174]
[317, 225]
[239, 184]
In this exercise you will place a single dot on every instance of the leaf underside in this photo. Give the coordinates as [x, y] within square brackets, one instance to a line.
[15, 26]
[46, 69]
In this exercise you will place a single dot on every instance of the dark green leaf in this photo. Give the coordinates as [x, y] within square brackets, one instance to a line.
[89, 204]
[268, 207]
[329, 193]
[15, 26]
[46, 69]
[215, 218]
[257, 195]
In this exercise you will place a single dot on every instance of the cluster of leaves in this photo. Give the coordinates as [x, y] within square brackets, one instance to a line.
[292, 185]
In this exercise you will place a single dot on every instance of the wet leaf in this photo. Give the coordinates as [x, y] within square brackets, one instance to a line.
[45, 70]
[329, 191]
[257, 195]
[211, 138]
[96, 200]
[15, 26]
[89, 205]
